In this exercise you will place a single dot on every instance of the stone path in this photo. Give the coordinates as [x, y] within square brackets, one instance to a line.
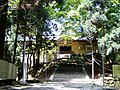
[66, 77]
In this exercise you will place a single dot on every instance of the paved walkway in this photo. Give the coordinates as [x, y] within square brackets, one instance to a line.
[66, 77]
[73, 85]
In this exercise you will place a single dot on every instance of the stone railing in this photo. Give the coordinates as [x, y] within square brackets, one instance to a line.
[7, 70]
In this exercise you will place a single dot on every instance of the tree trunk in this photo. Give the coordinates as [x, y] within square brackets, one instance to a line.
[33, 58]
[38, 56]
[15, 43]
[38, 50]
[3, 19]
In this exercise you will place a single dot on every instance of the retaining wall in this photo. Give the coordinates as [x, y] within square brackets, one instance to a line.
[7, 70]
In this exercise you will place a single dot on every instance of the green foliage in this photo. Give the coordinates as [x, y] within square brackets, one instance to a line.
[111, 40]
[118, 56]
[98, 18]
[13, 3]
[66, 37]
[32, 22]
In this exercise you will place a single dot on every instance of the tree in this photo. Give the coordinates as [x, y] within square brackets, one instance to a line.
[3, 18]
[93, 19]
[97, 18]
[28, 20]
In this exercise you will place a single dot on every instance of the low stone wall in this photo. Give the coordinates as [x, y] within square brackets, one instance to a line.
[7, 70]
[116, 70]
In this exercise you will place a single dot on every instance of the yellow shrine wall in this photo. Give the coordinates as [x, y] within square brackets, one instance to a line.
[78, 46]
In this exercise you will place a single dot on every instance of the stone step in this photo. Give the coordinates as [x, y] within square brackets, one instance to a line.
[67, 72]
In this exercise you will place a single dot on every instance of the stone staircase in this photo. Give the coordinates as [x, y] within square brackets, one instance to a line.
[68, 72]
